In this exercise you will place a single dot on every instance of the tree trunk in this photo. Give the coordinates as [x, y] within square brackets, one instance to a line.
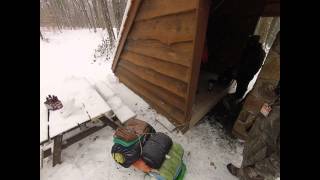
[116, 12]
[92, 18]
[101, 13]
[76, 14]
[108, 22]
[85, 13]
[97, 15]
[56, 16]
[66, 10]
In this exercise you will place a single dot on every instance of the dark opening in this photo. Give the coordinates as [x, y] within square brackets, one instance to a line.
[231, 25]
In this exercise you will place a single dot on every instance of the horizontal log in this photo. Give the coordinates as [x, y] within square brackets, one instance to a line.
[155, 8]
[180, 53]
[169, 69]
[167, 29]
[173, 114]
[177, 87]
[161, 93]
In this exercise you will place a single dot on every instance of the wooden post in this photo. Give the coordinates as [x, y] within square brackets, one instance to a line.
[199, 41]
[109, 122]
[41, 157]
[57, 150]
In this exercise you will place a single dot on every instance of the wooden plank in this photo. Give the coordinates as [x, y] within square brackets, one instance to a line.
[161, 93]
[68, 142]
[167, 29]
[57, 148]
[199, 39]
[46, 153]
[173, 114]
[173, 70]
[180, 53]
[127, 26]
[204, 100]
[106, 122]
[155, 8]
[175, 86]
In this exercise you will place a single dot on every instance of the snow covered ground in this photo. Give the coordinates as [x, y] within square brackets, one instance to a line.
[207, 149]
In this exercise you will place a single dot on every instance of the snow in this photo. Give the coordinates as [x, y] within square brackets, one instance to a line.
[115, 102]
[124, 113]
[90, 159]
[69, 54]
[104, 90]
[66, 70]
[82, 103]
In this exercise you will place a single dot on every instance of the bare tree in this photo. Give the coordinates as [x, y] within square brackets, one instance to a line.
[97, 15]
[85, 12]
[92, 18]
[116, 11]
[108, 21]
[106, 14]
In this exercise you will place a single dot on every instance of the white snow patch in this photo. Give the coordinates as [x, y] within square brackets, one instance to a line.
[104, 90]
[124, 113]
[115, 102]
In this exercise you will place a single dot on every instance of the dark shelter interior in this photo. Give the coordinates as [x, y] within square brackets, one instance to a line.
[232, 51]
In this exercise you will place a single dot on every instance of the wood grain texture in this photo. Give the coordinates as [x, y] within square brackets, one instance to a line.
[156, 8]
[177, 87]
[199, 39]
[167, 29]
[169, 69]
[160, 92]
[127, 26]
[180, 53]
[173, 114]
[204, 100]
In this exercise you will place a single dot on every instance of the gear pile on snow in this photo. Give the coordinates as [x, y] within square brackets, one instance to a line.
[138, 145]
[53, 103]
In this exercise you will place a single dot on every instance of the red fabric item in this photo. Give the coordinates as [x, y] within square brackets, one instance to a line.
[141, 165]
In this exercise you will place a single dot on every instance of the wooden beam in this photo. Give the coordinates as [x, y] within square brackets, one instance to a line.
[127, 27]
[167, 29]
[160, 92]
[205, 100]
[106, 122]
[57, 148]
[178, 53]
[175, 86]
[170, 69]
[157, 8]
[199, 41]
[173, 114]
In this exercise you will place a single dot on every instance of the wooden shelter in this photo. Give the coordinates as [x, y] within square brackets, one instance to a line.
[161, 46]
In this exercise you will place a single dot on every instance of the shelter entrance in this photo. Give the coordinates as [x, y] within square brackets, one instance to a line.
[226, 37]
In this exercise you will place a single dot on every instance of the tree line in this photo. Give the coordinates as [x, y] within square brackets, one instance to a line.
[75, 14]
